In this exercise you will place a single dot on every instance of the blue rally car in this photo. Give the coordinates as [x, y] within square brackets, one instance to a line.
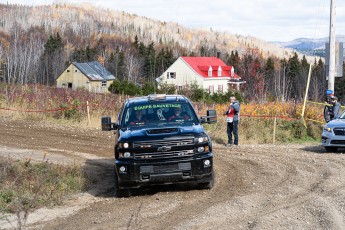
[333, 135]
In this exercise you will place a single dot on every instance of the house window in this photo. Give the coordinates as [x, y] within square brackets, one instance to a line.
[232, 72]
[219, 71]
[220, 88]
[180, 88]
[68, 71]
[76, 71]
[104, 83]
[210, 71]
[171, 75]
[211, 89]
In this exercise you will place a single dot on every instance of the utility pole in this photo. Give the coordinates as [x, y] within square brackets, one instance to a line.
[331, 72]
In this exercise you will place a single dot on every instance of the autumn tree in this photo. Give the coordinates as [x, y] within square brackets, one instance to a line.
[252, 70]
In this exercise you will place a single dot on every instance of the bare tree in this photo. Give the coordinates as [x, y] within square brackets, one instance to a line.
[22, 57]
[2, 61]
[133, 68]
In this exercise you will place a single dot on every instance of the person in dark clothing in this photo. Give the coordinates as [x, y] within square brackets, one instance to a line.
[331, 111]
[232, 118]
[138, 118]
[335, 108]
[178, 115]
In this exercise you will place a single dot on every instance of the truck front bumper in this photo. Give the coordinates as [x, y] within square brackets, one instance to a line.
[133, 174]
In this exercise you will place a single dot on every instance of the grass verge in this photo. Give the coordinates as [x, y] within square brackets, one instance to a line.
[26, 186]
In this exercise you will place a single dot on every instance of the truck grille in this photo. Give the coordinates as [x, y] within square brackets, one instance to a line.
[148, 169]
[339, 131]
[161, 155]
[171, 143]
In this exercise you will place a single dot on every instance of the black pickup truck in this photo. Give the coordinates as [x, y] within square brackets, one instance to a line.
[160, 140]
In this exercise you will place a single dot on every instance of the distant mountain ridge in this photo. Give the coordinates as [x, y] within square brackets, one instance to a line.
[88, 22]
[309, 46]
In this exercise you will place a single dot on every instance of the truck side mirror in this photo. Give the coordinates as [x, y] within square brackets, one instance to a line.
[107, 125]
[211, 116]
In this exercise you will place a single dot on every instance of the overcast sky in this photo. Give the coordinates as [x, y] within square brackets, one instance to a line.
[270, 20]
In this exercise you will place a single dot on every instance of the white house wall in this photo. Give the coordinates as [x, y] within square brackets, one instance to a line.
[185, 75]
[215, 82]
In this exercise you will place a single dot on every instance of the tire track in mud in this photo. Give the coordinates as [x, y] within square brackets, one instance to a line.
[296, 186]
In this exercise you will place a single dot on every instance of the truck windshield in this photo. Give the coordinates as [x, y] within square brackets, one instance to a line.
[158, 114]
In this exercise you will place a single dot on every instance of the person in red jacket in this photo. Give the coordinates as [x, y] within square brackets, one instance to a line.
[232, 118]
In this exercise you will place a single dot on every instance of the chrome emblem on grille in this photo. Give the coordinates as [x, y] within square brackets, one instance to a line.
[164, 148]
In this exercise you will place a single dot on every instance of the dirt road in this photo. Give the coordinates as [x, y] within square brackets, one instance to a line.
[257, 186]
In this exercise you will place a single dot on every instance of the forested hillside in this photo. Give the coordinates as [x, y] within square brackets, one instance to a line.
[37, 43]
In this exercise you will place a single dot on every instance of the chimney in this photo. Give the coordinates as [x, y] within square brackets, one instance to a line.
[218, 53]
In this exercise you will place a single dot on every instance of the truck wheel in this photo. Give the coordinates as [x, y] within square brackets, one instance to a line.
[331, 149]
[207, 185]
[120, 192]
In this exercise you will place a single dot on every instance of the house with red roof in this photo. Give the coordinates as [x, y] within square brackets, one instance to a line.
[209, 73]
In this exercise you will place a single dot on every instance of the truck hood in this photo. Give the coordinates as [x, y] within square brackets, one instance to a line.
[166, 131]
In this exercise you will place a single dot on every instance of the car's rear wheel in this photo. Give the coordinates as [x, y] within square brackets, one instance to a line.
[331, 149]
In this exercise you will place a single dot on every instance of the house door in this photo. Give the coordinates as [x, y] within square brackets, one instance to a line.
[69, 86]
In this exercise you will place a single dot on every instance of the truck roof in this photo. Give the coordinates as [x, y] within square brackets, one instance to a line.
[157, 98]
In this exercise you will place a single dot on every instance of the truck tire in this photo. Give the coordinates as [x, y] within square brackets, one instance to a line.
[120, 192]
[207, 185]
[331, 149]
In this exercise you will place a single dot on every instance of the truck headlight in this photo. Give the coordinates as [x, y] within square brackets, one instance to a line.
[122, 169]
[125, 155]
[201, 139]
[201, 149]
[207, 163]
[124, 145]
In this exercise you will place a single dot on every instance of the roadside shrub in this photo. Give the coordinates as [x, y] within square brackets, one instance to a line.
[124, 87]
[166, 88]
[26, 186]
[148, 88]
[72, 113]
[314, 130]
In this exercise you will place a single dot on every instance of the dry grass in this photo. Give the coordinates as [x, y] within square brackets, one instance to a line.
[26, 186]
[251, 129]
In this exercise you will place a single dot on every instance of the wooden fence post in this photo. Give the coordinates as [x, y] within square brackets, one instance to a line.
[88, 113]
[274, 129]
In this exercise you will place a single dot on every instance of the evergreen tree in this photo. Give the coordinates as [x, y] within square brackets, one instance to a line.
[150, 62]
[136, 42]
[121, 68]
[293, 73]
[269, 77]
[52, 60]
